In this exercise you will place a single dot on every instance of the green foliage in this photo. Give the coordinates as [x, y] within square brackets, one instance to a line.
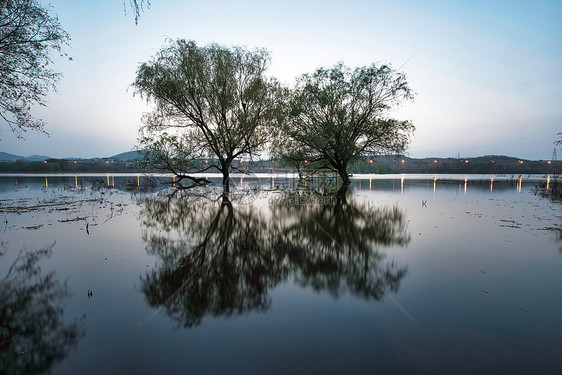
[214, 99]
[291, 154]
[366, 166]
[338, 115]
[51, 165]
[178, 154]
[28, 36]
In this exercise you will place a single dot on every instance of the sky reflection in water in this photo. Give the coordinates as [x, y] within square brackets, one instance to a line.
[423, 276]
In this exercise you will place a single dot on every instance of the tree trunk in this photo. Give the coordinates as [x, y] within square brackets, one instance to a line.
[342, 170]
[225, 183]
[341, 197]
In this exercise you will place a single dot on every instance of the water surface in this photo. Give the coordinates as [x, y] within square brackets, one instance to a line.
[432, 274]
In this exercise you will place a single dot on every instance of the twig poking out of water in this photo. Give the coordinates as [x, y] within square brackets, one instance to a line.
[77, 218]
[485, 291]
[5, 222]
[33, 227]
[525, 310]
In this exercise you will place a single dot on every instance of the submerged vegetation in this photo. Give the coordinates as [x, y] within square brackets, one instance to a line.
[551, 189]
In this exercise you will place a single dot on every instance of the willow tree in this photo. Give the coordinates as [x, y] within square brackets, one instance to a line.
[29, 35]
[138, 6]
[338, 115]
[215, 97]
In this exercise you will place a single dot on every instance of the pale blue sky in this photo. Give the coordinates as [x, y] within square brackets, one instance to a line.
[488, 74]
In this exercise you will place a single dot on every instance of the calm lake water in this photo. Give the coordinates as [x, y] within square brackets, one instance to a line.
[405, 274]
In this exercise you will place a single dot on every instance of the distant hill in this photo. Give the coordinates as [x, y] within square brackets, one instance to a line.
[130, 155]
[37, 158]
[4, 156]
[7, 157]
[489, 164]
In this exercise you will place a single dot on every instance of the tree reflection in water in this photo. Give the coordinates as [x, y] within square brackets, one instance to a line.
[333, 241]
[220, 259]
[33, 334]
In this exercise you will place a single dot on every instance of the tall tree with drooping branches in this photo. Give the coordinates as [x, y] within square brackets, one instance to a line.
[29, 35]
[218, 97]
[339, 115]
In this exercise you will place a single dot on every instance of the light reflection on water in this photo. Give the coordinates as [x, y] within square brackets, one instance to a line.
[375, 281]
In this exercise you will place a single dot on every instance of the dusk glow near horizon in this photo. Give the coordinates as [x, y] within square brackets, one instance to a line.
[487, 74]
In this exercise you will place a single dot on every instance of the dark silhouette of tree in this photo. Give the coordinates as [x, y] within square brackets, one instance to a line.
[178, 154]
[33, 333]
[216, 100]
[338, 115]
[291, 154]
[218, 259]
[29, 35]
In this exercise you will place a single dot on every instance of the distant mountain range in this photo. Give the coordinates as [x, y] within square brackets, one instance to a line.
[4, 156]
[129, 155]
